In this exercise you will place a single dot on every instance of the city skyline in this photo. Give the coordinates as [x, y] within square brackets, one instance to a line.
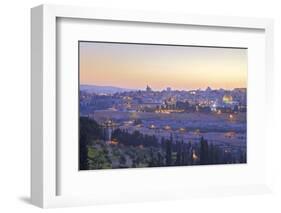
[162, 89]
[133, 66]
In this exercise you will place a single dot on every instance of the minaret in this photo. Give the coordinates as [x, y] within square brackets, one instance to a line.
[148, 89]
[108, 128]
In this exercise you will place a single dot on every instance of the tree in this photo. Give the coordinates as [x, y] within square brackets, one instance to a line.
[153, 162]
[159, 159]
[203, 151]
[98, 159]
[179, 153]
[211, 155]
[88, 130]
[135, 139]
[122, 160]
[185, 160]
[83, 153]
[169, 151]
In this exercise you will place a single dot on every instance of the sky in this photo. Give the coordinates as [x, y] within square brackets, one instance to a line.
[134, 66]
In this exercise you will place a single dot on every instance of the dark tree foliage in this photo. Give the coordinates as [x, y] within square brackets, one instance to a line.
[134, 139]
[179, 147]
[166, 152]
[169, 151]
[243, 157]
[204, 149]
[159, 159]
[211, 156]
[89, 130]
[83, 152]
[153, 159]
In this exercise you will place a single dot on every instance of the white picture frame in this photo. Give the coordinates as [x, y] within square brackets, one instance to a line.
[44, 83]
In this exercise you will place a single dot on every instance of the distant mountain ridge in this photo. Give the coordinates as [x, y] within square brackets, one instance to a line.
[103, 89]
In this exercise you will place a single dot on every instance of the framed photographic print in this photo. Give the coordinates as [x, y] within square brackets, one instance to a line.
[149, 106]
[149, 109]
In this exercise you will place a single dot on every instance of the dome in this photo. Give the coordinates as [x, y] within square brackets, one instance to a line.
[227, 99]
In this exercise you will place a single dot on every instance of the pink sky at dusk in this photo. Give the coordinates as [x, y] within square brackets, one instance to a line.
[160, 66]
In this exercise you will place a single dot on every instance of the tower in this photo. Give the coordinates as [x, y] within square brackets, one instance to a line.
[107, 130]
[148, 89]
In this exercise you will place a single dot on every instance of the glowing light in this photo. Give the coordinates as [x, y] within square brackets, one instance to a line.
[227, 99]
[152, 126]
[194, 156]
[167, 127]
[113, 142]
[182, 129]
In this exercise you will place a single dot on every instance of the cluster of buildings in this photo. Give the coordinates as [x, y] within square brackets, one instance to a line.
[222, 118]
[167, 101]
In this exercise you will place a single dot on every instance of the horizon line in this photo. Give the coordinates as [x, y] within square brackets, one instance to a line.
[163, 89]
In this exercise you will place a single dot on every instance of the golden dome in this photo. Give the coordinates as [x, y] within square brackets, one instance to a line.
[227, 99]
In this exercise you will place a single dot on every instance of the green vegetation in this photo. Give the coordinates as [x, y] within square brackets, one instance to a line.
[136, 150]
[98, 159]
[89, 131]
[106, 156]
